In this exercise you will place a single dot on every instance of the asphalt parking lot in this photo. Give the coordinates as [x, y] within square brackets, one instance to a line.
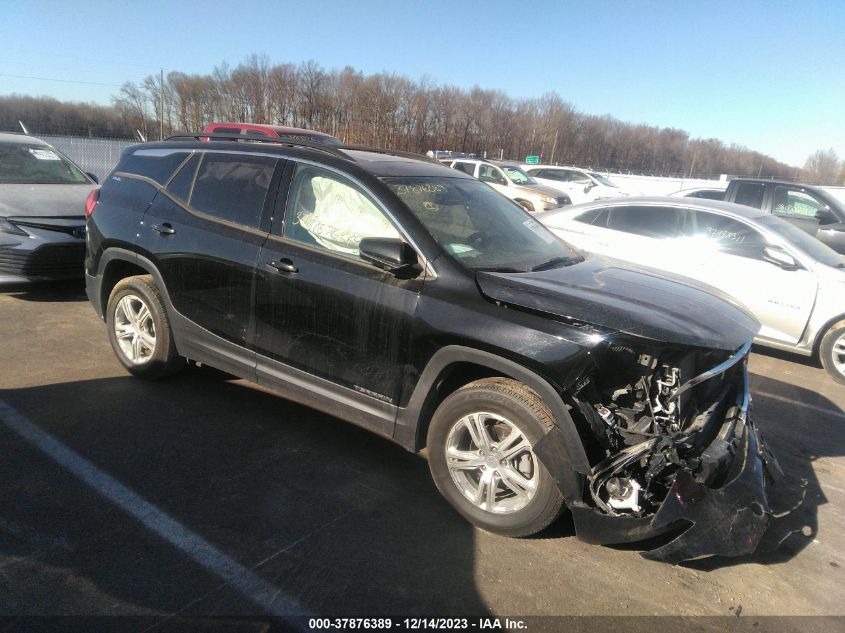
[204, 495]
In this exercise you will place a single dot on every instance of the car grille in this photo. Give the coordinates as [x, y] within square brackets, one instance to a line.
[52, 261]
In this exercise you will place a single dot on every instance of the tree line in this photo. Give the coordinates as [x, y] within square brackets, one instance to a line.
[393, 111]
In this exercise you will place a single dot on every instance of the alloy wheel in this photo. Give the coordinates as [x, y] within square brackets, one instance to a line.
[134, 329]
[492, 463]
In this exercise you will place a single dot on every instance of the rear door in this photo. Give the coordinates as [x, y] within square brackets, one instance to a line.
[205, 233]
[318, 306]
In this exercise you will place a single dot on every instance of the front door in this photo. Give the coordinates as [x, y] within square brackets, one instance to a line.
[318, 306]
[728, 254]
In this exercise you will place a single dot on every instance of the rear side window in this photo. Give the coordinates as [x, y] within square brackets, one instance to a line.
[750, 194]
[589, 217]
[181, 184]
[467, 168]
[233, 187]
[157, 165]
[657, 222]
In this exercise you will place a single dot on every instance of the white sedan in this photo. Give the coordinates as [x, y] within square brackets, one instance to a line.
[794, 284]
[580, 184]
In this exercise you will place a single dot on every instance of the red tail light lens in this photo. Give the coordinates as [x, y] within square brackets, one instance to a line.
[91, 202]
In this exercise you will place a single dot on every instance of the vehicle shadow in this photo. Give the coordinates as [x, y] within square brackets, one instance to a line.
[794, 422]
[339, 520]
[47, 291]
[798, 359]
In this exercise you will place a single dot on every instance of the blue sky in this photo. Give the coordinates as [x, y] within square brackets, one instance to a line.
[768, 75]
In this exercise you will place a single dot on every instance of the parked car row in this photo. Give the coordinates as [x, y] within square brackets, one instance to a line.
[42, 224]
[793, 283]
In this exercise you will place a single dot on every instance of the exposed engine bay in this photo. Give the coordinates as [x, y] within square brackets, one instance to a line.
[653, 419]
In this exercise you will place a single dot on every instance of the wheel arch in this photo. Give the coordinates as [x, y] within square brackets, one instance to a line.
[454, 366]
[823, 330]
[119, 263]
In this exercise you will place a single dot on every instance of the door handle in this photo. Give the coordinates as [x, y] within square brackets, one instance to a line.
[164, 229]
[283, 265]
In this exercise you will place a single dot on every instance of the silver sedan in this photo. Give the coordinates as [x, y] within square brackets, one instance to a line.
[794, 284]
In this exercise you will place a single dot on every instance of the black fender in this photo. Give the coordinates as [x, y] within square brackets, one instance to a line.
[93, 283]
[561, 450]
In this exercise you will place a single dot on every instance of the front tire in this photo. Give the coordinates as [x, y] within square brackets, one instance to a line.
[832, 352]
[481, 457]
[139, 330]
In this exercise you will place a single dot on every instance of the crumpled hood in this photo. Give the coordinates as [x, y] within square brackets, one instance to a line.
[630, 299]
[43, 200]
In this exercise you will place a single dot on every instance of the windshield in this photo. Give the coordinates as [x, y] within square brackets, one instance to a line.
[480, 227]
[605, 181]
[30, 164]
[518, 176]
[814, 248]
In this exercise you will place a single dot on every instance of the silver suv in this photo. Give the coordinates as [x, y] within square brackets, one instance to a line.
[509, 180]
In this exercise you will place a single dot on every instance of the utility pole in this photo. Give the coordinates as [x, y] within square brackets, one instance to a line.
[161, 104]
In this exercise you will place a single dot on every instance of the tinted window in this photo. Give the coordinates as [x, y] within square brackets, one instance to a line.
[576, 176]
[589, 217]
[658, 222]
[488, 173]
[794, 201]
[233, 187]
[750, 194]
[180, 185]
[467, 168]
[708, 194]
[157, 165]
[730, 236]
[330, 212]
[478, 227]
[552, 174]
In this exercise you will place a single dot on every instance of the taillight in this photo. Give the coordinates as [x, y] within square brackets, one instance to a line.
[91, 202]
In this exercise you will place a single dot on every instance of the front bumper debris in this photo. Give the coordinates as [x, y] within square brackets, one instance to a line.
[729, 520]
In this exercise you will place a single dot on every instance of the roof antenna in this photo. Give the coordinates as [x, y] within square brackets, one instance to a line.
[141, 136]
[23, 127]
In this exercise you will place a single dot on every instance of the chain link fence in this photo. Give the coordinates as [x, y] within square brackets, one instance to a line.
[95, 155]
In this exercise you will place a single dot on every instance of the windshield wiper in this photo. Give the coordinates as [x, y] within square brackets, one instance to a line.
[554, 262]
[498, 269]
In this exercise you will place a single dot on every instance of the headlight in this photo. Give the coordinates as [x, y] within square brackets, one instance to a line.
[8, 227]
[548, 199]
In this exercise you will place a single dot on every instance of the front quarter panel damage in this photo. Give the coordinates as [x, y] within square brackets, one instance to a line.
[673, 451]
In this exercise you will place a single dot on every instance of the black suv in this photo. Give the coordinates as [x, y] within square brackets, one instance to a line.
[415, 301]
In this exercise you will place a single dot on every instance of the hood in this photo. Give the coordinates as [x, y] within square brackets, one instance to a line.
[43, 200]
[630, 299]
[541, 190]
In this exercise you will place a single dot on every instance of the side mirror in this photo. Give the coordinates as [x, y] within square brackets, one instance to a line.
[93, 177]
[390, 254]
[778, 257]
[825, 216]
[589, 186]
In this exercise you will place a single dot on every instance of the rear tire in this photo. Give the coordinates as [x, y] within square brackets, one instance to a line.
[832, 352]
[139, 330]
[480, 445]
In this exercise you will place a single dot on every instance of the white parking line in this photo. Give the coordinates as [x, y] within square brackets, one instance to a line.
[271, 599]
[771, 396]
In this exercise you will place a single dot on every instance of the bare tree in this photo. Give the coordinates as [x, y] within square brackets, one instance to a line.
[823, 167]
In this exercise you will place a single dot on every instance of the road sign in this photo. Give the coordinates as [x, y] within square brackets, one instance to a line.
[532, 160]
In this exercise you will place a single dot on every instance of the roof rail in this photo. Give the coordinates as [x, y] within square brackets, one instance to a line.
[391, 152]
[275, 140]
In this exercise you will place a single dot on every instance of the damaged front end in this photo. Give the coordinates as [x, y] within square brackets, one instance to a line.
[673, 449]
